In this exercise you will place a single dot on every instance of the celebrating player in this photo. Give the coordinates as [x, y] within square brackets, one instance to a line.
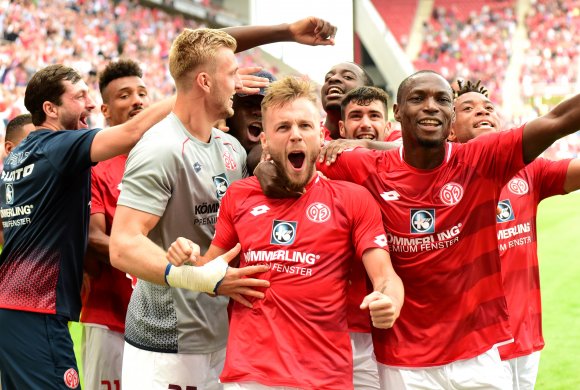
[297, 336]
[476, 115]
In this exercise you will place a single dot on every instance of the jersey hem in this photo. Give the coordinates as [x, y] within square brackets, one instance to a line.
[32, 310]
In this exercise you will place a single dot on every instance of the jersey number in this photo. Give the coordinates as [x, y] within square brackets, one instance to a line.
[116, 383]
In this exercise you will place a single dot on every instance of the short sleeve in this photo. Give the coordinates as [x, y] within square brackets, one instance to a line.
[97, 201]
[368, 231]
[551, 175]
[226, 236]
[149, 177]
[69, 151]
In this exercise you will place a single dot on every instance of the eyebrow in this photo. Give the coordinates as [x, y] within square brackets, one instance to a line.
[473, 102]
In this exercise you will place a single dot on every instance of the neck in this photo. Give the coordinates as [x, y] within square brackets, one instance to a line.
[331, 123]
[194, 115]
[423, 157]
[50, 125]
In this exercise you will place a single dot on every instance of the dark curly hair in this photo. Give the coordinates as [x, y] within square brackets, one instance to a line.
[468, 86]
[116, 70]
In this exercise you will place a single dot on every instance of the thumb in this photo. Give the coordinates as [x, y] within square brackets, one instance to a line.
[232, 253]
[375, 295]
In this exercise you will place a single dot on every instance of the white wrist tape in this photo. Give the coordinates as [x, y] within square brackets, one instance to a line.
[205, 278]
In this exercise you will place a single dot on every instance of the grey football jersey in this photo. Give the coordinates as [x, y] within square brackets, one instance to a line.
[173, 175]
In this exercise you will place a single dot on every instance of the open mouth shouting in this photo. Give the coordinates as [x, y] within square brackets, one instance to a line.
[254, 131]
[296, 159]
[334, 92]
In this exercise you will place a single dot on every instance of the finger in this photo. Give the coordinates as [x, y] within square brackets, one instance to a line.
[250, 292]
[184, 245]
[375, 295]
[254, 269]
[232, 253]
[248, 90]
[247, 70]
[240, 299]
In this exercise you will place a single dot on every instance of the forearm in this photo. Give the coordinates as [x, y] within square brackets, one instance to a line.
[138, 256]
[252, 36]
[99, 246]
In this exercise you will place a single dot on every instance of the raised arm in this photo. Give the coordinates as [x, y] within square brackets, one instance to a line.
[386, 300]
[572, 182]
[540, 133]
[117, 140]
[308, 31]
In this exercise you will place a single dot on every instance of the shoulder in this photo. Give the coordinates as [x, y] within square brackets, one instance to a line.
[227, 140]
[247, 186]
[345, 188]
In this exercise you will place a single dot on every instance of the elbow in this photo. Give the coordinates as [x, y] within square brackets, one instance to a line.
[116, 254]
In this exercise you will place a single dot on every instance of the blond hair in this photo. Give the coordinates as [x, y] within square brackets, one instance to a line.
[286, 90]
[196, 47]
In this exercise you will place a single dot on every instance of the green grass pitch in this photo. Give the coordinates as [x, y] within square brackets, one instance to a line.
[559, 251]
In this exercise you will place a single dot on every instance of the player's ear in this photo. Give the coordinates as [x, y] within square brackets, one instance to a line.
[396, 112]
[8, 146]
[263, 140]
[203, 80]
[341, 129]
[50, 109]
[105, 111]
[452, 137]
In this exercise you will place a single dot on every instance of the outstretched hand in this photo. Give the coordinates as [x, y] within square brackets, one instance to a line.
[272, 182]
[331, 150]
[383, 310]
[236, 284]
[313, 31]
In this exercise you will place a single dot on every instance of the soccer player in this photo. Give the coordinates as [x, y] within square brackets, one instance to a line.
[476, 115]
[108, 291]
[174, 181]
[338, 81]
[438, 202]
[16, 130]
[246, 122]
[364, 116]
[297, 336]
[44, 202]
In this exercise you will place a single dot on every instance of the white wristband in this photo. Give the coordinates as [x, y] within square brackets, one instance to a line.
[205, 278]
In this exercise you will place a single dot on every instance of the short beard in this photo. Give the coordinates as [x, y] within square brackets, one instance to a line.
[285, 179]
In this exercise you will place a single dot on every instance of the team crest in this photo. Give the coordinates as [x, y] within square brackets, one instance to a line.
[229, 161]
[451, 193]
[283, 232]
[221, 184]
[71, 378]
[9, 193]
[422, 221]
[518, 186]
[318, 212]
[504, 212]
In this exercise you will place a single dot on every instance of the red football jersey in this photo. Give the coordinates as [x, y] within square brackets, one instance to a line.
[441, 231]
[516, 234]
[109, 292]
[326, 132]
[297, 335]
[394, 135]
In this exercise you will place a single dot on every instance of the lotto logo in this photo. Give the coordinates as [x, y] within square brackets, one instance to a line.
[259, 210]
[422, 221]
[504, 211]
[381, 241]
[451, 193]
[518, 186]
[221, 184]
[390, 195]
[318, 212]
[283, 232]
[71, 378]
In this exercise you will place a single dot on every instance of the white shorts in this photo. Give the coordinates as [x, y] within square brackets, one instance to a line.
[147, 370]
[485, 371]
[102, 355]
[365, 372]
[524, 370]
[254, 386]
